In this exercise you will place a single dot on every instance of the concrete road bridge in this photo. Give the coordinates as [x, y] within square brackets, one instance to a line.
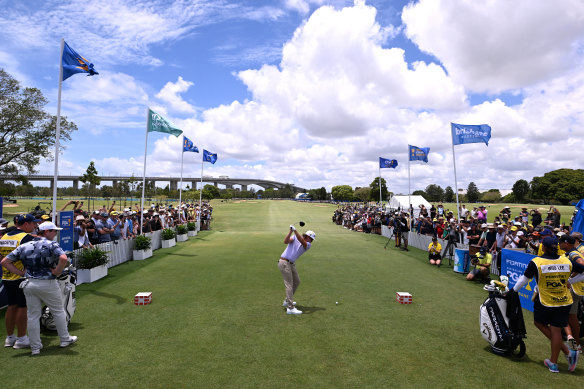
[193, 182]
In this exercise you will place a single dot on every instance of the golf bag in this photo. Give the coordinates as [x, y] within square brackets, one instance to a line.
[67, 282]
[501, 323]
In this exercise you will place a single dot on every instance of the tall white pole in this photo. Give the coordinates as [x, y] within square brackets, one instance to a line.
[201, 191]
[380, 198]
[409, 184]
[181, 172]
[455, 182]
[144, 174]
[57, 146]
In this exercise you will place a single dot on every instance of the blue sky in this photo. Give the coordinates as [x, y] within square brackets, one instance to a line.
[311, 92]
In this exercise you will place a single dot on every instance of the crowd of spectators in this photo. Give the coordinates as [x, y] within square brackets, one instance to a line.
[106, 224]
[360, 217]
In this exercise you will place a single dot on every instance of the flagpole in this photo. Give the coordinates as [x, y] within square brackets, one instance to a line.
[409, 182]
[455, 182]
[201, 190]
[380, 198]
[181, 172]
[144, 174]
[57, 146]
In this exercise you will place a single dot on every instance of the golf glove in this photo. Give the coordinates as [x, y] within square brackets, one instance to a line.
[292, 228]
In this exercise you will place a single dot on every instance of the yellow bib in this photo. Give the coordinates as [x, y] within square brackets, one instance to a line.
[7, 245]
[578, 287]
[552, 281]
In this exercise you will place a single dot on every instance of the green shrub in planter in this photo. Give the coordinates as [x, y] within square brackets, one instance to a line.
[142, 243]
[90, 258]
[181, 229]
[168, 234]
[191, 226]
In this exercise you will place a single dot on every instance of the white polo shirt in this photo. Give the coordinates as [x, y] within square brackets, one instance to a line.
[294, 250]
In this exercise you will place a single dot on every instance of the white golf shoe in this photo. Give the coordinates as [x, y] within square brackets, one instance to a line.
[293, 311]
[285, 304]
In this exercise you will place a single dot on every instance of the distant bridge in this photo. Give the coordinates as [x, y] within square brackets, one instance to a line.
[173, 181]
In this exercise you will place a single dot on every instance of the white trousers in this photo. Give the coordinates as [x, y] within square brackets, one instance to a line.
[47, 291]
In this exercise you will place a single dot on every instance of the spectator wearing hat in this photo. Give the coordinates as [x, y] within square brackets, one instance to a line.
[501, 237]
[434, 250]
[568, 244]
[43, 260]
[482, 214]
[546, 232]
[113, 223]
[15, 315]
[552, 303]
[80, 233]
[102, 230]
[579, 243]
[482, 262]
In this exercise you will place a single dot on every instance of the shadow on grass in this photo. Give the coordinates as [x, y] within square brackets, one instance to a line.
[310, 310]
[182, 255]
[119, 299]
[53, 349]
[514, 358]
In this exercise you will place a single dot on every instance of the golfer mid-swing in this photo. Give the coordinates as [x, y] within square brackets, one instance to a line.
[297, 245]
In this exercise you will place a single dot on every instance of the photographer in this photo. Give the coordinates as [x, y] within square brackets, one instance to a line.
[434, 250]
[404, 230]
[482, 262]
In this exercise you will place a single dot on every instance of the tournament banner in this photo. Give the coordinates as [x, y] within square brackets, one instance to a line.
[513, 264]
[66, 234]
[461, 261]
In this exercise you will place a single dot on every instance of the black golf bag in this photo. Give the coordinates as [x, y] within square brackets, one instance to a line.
[67, 282]
[501, 323]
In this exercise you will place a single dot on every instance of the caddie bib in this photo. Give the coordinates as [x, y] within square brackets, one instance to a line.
[552, 281]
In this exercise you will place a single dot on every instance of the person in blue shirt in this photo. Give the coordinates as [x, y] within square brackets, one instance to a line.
[43, 261]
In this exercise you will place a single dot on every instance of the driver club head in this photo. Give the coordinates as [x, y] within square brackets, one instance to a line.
[301, 224]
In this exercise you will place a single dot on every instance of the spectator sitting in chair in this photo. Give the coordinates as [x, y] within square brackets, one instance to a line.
[434, 250]
[482, 263]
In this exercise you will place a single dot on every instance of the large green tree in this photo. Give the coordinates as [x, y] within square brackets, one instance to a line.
[342, 193]
[449, 195]
[363, 194]
[472, 193]
[562, 185]
[520, 189]
[27, 132]
[374, 186]
[434, 193]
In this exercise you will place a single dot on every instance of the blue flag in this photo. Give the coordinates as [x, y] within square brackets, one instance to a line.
[189, 146]
[387, 163]
[578, 223]
[73, 63]
[419, 153]
[209, 157]
[469, 133]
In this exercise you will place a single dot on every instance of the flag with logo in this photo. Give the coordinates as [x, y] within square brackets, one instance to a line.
[188, 145]
[209, 157]
[157, 123]
[387, 163]
[73, 63]
[470, 133]
[419, 153]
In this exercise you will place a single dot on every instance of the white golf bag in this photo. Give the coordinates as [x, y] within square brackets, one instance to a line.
[67, 282]
[501, 323]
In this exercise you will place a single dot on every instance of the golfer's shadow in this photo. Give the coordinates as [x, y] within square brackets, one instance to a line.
[309, 310]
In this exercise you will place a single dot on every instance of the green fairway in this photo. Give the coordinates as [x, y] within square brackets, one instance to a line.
[217, 320]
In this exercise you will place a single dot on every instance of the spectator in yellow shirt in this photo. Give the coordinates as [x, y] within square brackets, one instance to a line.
[434, 250]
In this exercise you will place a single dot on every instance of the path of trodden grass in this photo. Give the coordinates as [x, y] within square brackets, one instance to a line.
[216, 319]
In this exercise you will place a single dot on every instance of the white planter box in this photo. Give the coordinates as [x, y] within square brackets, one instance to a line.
[182, 237]
[192, 233]
[168, 243]
[140, 255]
[87, 276]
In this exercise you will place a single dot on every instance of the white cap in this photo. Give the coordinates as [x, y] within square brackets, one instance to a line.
[311, 234]
[484, 225]
[48, 226]
[520, 233]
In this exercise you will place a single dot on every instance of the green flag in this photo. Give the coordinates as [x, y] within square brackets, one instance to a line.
[157, 123]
